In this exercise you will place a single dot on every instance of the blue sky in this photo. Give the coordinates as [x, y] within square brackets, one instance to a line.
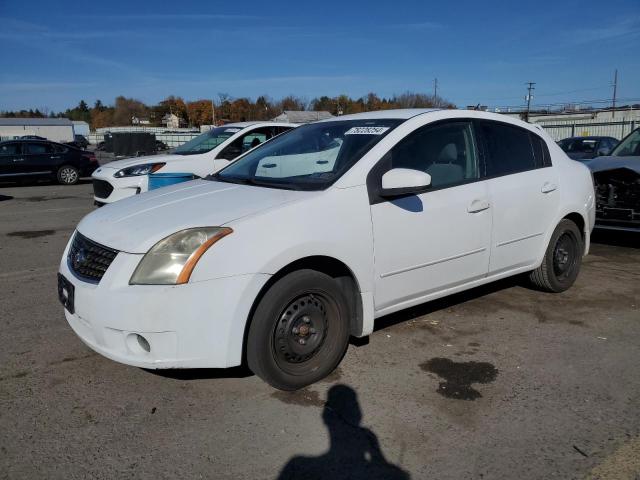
[56, 53]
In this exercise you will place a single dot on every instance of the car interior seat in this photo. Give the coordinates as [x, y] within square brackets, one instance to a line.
[445, 170]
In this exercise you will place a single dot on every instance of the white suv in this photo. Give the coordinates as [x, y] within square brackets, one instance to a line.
[306, 240]
[200, 156]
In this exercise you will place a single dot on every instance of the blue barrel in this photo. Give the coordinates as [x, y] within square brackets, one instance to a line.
[159, 180]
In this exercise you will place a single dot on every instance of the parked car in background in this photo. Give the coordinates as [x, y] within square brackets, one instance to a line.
[303, 241]
[584, 148]
[25, 159]
[32, 137]
[617, 183]
[200, 156]
[79, 141]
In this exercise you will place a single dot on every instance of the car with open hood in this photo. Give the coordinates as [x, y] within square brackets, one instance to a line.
[617, 184]
[199, 156]
[278, 258]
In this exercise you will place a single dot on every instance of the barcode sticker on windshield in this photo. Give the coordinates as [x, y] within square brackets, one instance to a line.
[233, 130]
[366, 130]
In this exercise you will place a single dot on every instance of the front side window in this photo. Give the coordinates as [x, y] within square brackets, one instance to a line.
[10, 149]
[207, 141]
[446, 152]
[508, 149]
[629, 147]
[310, 157]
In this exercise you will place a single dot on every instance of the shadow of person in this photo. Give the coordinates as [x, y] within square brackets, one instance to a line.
[354, 451]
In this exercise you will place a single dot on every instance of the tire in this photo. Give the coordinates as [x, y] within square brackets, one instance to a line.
[561, 263]
[299, 331]
[67, 175]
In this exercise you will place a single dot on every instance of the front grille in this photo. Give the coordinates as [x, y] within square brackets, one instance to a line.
[101, 188]
[89, 260]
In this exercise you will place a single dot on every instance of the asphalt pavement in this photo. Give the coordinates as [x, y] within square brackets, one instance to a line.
[500, 382]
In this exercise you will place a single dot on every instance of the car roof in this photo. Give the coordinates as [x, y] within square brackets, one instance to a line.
[590, 137]
[259, 123]
[401, 113]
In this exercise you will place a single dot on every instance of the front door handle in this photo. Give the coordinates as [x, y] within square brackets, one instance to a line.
[478, 206]
[548, 187]
[18, 159]
[54, 158]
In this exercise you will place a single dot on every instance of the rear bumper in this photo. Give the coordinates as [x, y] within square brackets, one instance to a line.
[196, 325]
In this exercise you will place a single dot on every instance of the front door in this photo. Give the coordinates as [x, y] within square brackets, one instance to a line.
[11, 159]
[441, 238]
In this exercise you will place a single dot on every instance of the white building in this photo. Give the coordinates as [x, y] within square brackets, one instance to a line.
[81, 128]
[55, 129]
[302, 116]
[171, 120]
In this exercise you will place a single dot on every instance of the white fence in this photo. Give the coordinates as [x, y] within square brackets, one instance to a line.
[564, 129]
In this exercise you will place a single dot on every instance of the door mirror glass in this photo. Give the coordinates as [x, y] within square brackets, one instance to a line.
[603, 151]
[404, 181]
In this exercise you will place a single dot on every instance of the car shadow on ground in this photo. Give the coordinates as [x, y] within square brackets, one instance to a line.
[447, 302]
[616, 238]
[354, 451]
[5, 197]
[202, 373]
[39, 183]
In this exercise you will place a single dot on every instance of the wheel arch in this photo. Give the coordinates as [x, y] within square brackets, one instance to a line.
[325, 264]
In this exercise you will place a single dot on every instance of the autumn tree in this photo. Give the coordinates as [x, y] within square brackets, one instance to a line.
[199, 112]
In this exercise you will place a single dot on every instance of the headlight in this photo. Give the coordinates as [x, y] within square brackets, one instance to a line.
[171, 260]
[138, 170]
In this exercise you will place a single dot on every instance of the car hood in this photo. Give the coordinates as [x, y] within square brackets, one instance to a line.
[600, 164]
[130, 162]
[137, 223]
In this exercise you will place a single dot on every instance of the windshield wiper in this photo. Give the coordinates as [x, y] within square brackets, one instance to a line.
[253, 182]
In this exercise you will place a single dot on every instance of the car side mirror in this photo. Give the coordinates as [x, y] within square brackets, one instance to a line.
[230, 153]
[404, 181]
[604, 151]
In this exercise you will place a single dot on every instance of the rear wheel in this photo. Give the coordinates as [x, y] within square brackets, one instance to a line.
[562, 260]
[68, 175]
[299, 331]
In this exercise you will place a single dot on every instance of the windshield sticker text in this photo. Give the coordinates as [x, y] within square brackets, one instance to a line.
[366, 130]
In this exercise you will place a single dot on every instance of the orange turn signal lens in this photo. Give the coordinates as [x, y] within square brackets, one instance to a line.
[193, 259]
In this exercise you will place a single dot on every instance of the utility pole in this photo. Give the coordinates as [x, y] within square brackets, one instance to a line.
[615, 92]
[435, 88]
[213, 115]
[530, 89]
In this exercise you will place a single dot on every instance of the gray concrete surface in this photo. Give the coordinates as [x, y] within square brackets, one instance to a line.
[500, 382]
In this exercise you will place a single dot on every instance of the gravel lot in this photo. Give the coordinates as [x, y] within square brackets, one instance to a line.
[499, 382]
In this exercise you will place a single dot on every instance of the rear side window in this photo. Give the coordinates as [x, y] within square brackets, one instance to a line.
[508, 149]
[10, 149]
[35, 148]
[540, 151]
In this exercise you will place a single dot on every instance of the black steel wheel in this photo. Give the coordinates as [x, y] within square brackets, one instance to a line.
[562, 260]
[299, 331]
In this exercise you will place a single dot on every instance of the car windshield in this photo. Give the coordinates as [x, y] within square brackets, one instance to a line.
[629, 147]
[310, 157]
[207, 141]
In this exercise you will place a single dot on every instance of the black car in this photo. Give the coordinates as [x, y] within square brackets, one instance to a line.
[585, 148]
[79, 141]
[21, 159]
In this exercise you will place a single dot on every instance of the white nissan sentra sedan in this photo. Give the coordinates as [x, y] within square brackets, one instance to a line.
[281, 256]
[200, 156]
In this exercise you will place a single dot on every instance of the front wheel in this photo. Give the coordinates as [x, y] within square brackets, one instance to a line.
[562, 260]
[68, 175]
[299, 331]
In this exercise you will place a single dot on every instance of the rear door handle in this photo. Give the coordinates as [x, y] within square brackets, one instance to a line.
[18, 159]
[548, 187]
[478, 206]
[54, 157]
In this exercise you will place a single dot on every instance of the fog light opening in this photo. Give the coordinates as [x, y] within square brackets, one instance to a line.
[144, 344]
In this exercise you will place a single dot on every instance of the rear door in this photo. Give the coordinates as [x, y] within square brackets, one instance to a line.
[11, 159]
[522, 190]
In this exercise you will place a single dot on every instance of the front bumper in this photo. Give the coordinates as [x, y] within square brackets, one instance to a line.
[122, 187]
[196, 325]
